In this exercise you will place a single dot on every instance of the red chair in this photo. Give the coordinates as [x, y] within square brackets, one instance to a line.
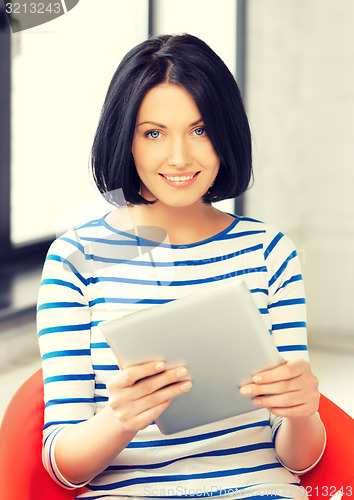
[335, 471]
[23, 477]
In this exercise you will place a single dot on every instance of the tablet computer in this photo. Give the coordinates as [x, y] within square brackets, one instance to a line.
[218, 334]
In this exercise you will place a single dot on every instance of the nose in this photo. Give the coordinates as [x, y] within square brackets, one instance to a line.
[179, 154]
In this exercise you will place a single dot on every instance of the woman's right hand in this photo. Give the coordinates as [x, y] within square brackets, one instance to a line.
[140, 393]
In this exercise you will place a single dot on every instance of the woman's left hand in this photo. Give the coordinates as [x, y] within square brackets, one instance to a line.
[289, 390]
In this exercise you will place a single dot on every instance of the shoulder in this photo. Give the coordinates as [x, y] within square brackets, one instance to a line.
[76, 238]
[271, 238]
[69, 257]
[72, 249]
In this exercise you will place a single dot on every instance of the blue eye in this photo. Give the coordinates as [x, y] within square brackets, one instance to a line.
[199, 131]
[154, 134]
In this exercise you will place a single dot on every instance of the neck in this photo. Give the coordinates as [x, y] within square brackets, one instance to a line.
[171, 218]
[182, 224]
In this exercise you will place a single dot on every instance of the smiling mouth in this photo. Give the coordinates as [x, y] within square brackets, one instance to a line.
[179, 178]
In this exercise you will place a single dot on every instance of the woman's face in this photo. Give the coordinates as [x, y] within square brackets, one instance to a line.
[173, 155]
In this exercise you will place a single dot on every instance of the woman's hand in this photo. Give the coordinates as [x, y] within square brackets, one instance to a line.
[139, 394]
[289, 390]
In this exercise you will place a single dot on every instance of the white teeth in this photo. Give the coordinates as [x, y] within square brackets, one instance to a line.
[179, 179]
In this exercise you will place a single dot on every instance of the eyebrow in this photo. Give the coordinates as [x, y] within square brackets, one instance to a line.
[160, 125]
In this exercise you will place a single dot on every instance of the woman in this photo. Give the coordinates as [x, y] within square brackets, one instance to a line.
[173, 137]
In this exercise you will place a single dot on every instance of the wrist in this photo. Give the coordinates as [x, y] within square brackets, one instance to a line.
[116, 428]
[301, 423]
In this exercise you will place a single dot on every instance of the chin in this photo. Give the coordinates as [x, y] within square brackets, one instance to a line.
[180, 203]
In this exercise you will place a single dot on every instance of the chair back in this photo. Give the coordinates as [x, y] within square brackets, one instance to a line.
[22, 474]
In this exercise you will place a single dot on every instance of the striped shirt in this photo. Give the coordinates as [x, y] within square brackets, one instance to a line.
[96, 273]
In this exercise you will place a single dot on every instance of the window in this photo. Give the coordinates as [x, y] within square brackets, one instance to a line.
[60, 74]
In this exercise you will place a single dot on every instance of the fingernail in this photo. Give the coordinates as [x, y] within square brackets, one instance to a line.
[257, 378]
[182, 372]
[160, 366]
[245, 391]
[186, 385]
[257, 402]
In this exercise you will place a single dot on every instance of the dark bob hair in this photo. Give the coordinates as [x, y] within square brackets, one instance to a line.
[187, 61]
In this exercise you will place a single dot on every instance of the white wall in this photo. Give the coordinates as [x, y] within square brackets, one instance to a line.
[300, 100]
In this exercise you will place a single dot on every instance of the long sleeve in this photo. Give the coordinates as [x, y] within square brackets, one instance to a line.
[63, 319]
[286, 307]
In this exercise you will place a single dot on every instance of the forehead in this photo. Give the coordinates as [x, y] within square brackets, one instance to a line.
[166, 101]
